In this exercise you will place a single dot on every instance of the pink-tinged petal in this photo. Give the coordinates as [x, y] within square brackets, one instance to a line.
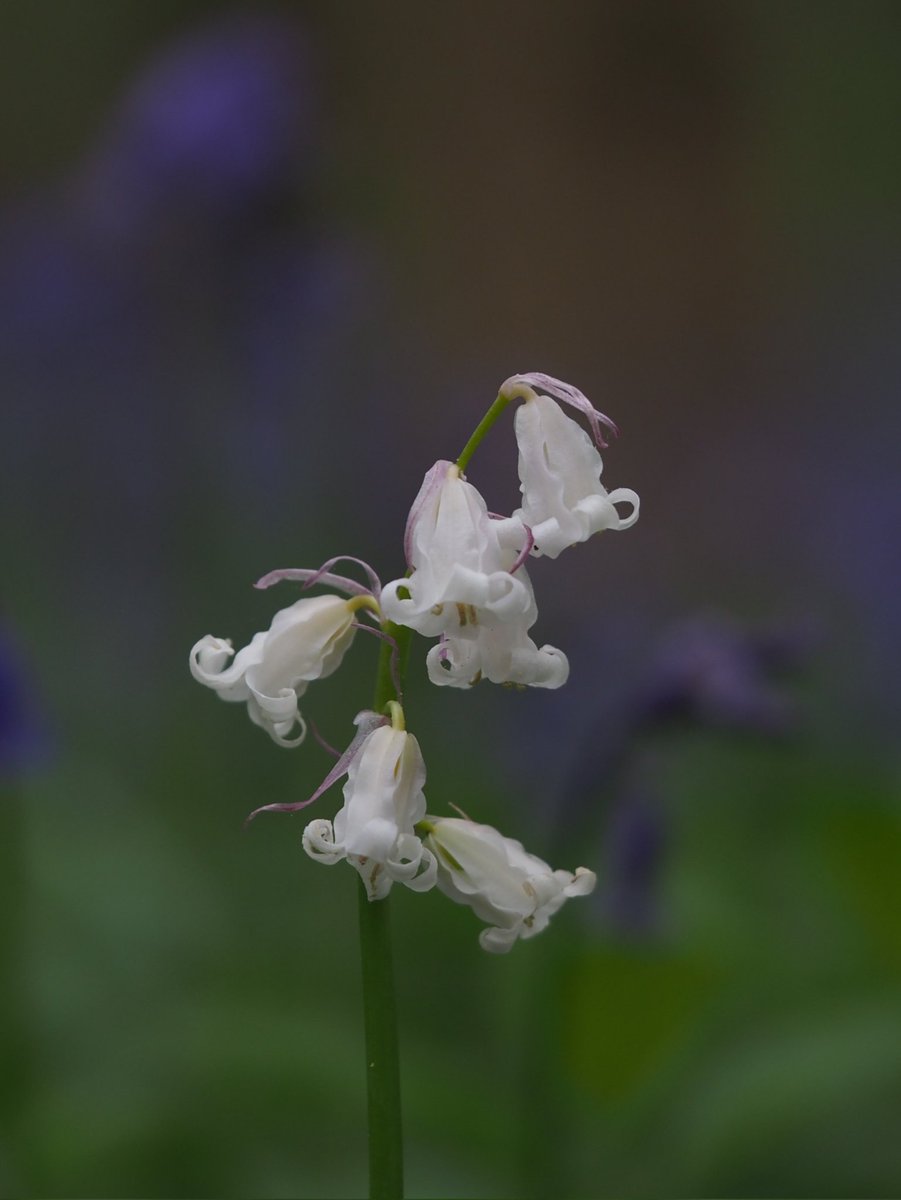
[566, 394]
[375, 584]
[366, 722]
[326, 746]
[433, 480]
[305, 575]
[525, 552]
[309, 577]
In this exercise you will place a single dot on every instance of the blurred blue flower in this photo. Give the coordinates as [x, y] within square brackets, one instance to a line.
[636, 843]
[712, 672]
[213, 128]
[211, 146]
[177, 319]
[708, 673]
[22, 735]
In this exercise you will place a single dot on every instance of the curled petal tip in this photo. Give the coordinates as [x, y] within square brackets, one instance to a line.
[566, 393]
[308, 577]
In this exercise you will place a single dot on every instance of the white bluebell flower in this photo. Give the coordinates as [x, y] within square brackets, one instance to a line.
[564, 501]
[383, 801]
[514, 892]
[480, 646]
[460, 558]
[304, 642]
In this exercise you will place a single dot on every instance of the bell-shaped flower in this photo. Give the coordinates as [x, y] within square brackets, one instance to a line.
[481, 647]
[564, 501]
[305, 641]
[383, 800]
[462, 560]
[513, 891]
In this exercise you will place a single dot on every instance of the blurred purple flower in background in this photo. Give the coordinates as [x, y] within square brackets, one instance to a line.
[174, 322]
[210, 133]
[707, 674]
[714, 673]
[636, 838]
[23, 737]
[210, 148]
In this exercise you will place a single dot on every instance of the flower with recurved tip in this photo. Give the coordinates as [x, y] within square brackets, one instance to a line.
[481, 647]
[564, 501]
[305, 641]
[383, 800]
[462, 560]
[469, 587]
[514, 892]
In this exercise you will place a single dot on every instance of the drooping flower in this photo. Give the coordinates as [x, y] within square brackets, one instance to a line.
[462, 560]
[564, 501]
[305, 641]
[480, 646]
[514, 892]
[383, 800]
[469, 587]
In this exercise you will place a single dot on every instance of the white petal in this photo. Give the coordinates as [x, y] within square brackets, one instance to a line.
[319, 842]
[377, 880]
[208, 665]
[426, 873]
[499, 653]
[454, 663]
[625, 496]
[583, 882]
[564, 501]
[498, 941]
[546, 667]
[305, 641]
[459, 556]
[514, 892]
[383, 801]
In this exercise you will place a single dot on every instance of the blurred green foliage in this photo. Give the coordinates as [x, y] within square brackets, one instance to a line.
[181, 997]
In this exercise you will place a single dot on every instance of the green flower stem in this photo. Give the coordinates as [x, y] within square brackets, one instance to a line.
[386, 1150]
[481, 429]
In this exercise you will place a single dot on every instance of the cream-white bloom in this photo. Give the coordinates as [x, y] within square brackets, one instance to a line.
[468, 586]
[461, 558]
[306, 641]
[513, 891]
[383, 800]
[480, 646]
[564, 501]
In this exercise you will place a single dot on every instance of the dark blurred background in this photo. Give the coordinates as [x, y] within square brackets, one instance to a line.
[260, 266]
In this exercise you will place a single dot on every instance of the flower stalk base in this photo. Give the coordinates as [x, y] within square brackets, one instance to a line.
[386, 1161]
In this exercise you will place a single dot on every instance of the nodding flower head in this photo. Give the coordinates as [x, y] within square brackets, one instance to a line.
[460, 558]
[560, 468]
[515, 892]
[383, 800]
[478, 647]
[563, 499]
[469, 587]
[306, 641]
